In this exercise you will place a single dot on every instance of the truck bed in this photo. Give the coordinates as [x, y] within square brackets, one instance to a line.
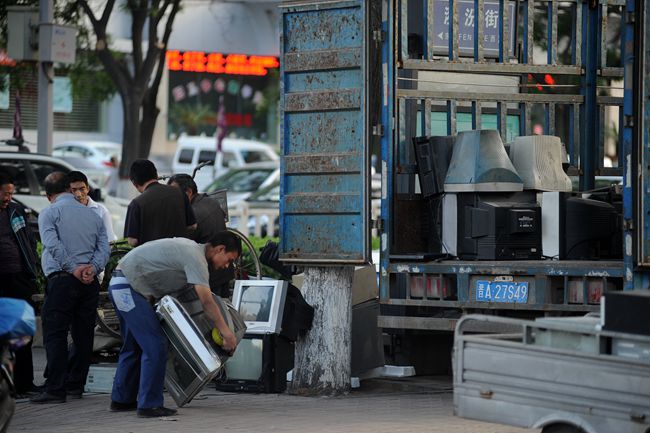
[542, 374]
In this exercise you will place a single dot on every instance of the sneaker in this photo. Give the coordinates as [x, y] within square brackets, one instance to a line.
[46, 397]
[155, 412]
[74, 393]
[116, 406]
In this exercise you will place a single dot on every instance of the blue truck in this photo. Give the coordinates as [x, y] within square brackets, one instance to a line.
[362, 80]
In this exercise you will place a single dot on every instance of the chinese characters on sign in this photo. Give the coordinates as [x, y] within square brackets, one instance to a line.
[218, 63]
[466, 23]
[200, 83]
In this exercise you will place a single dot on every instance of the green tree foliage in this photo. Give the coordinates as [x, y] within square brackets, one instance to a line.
[87, 75]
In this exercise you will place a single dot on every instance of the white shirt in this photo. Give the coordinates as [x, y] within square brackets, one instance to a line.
[103, 213]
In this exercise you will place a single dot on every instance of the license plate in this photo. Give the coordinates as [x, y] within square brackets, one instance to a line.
[502, 291]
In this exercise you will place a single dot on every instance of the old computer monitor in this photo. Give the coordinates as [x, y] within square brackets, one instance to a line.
[261, 304]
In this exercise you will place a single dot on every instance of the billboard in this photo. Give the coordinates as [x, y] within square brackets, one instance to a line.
[200, 83]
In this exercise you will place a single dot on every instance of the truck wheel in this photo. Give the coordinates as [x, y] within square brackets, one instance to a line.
[562, 428]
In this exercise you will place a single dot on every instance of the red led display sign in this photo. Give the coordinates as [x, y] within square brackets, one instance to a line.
[217, 63]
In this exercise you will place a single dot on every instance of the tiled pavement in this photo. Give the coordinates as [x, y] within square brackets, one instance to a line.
[386, 405]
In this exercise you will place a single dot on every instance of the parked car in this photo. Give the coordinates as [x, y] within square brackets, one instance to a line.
[28, 170]
[97, 155]
[260, 206]
[98, 173]
[99, 152]
[241, 182]
[192, 150]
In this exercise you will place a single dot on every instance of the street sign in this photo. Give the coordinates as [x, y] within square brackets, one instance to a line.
[466, 23]
[59, 43]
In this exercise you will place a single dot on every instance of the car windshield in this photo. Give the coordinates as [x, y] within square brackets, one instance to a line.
[271, 194]
[245, 180]
[251, 156]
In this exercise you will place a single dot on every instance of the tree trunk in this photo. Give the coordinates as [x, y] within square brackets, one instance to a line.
[131, 135]
[149, 115]
[323, 357]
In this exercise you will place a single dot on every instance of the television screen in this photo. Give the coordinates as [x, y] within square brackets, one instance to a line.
[261, 304]
[255, 304]
[246, 363]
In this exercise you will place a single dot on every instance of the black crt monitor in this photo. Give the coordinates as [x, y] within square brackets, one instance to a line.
[592, 230]
[433, 155]
[499, 226]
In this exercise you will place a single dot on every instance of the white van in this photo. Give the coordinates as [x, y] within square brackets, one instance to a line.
[193, 150]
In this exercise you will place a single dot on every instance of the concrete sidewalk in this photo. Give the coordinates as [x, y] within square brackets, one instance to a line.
[379, 405]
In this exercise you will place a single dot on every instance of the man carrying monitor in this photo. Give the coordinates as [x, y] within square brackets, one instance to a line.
[146, 274]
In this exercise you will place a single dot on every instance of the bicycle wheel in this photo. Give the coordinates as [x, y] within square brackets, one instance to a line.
[248, 264]
[106, 318]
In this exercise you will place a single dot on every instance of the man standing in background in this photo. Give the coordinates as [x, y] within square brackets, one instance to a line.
[210, 220]
[160, 211]
[17, 272]
[75, 251]
[78, 185]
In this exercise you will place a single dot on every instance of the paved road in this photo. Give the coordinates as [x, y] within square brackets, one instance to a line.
[385, 405]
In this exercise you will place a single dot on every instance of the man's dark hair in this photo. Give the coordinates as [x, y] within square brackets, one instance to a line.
[5, 178]
[55, 183]
[76, 176]
[142, 171]
[228, 240]
[184, 182]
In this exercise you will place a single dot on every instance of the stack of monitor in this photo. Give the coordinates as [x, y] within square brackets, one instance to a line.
[263, 357]
[514, 204]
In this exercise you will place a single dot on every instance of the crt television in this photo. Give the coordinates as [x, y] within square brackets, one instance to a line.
[493, 226]
[261, 304]
[260, 364]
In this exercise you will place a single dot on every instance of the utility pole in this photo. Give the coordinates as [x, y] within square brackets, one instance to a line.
[45, 76]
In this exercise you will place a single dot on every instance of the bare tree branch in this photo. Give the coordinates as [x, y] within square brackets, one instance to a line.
[107, 13]
[139, 17]
[168, 31]
[153, 24]
[161, 11]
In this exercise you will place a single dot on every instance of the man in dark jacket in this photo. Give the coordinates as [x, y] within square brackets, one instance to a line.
[210, 220]
[160, 211]
[18, 270]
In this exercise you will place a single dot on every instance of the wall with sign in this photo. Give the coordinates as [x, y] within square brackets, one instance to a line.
[200, 82]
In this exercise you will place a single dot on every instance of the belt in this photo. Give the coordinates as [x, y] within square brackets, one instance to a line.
[58, 274]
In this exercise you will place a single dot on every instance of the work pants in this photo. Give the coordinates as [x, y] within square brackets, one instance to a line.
[140, 371]
[70, 305]
[21, 286]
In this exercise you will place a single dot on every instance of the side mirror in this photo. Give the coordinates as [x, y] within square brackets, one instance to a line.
[96, 194]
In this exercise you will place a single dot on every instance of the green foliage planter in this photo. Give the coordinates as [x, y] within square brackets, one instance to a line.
[258, 244]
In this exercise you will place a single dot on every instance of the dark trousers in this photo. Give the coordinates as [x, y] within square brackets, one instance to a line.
[71, 306]
[20, 286]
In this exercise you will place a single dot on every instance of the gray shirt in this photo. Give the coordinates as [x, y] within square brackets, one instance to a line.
[164, 266]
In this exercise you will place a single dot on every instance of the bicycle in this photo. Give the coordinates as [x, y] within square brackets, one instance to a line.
[247, 265]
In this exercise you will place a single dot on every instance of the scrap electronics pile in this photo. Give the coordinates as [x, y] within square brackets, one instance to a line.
[266, 317]
[514, 202]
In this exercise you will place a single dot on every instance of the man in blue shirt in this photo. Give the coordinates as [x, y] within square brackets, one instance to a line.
[75, 251]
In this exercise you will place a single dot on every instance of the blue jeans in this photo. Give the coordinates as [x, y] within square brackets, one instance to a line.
[140, 371]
